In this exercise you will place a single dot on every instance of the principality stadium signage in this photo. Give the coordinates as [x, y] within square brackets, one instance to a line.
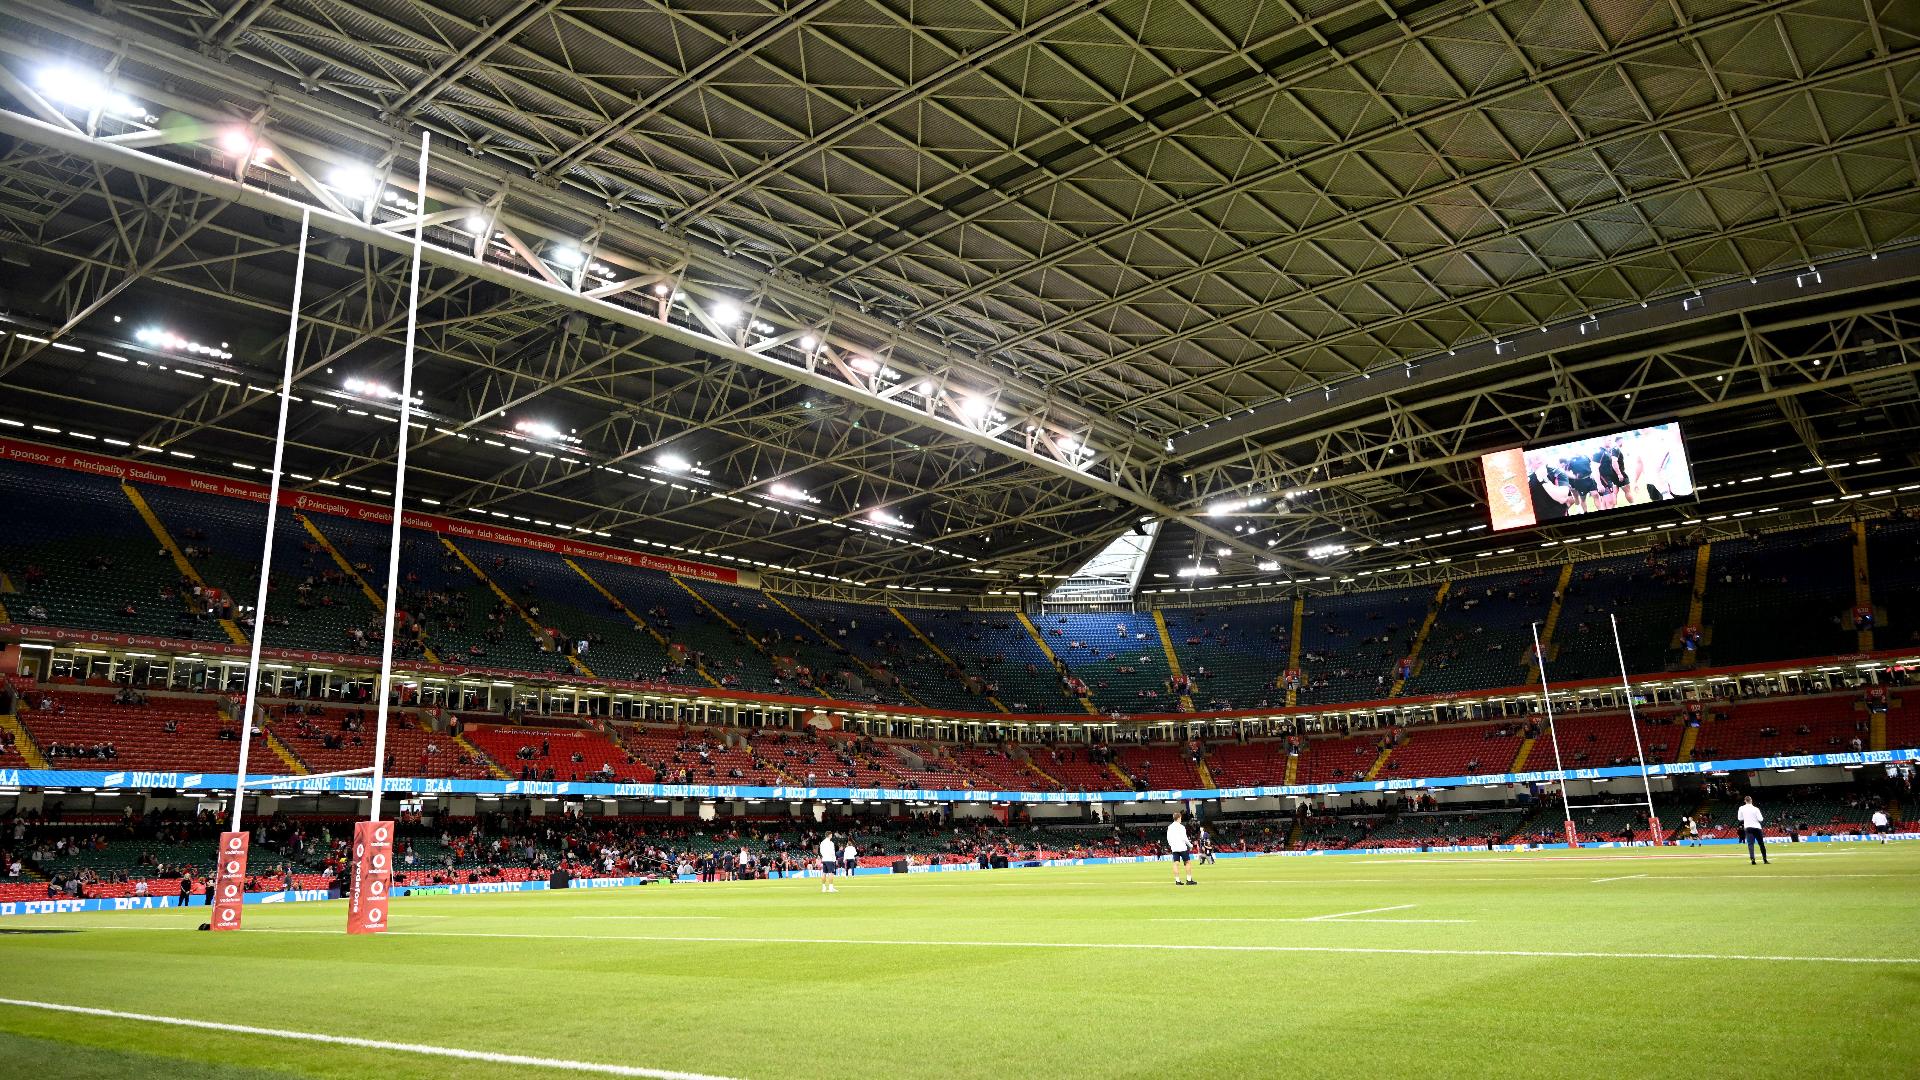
[135, 472]
[346, 785]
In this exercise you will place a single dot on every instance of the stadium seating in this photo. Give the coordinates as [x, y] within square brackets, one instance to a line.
[714, 756]
[863, 637]
[1351, 643]
[1160, 766]
[463, 621]
[1234, 656]
[1338, 759]
[1484, 635]
[522, 751]
[993, 645]
[556, 597]
[1772, 727]
[310, 602]
[1647, 592]
[1248, 764]
[1780, 596]
[1076, 770]
[139, 735]
[784, 637]
[1601, 739]
[1893, 561]
[1002, 770]
[1118, 656]
[1455, 751]
[319, 739]
[79, 555]
[683, 620]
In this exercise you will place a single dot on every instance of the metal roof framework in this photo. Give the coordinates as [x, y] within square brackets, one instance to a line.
[979, 284]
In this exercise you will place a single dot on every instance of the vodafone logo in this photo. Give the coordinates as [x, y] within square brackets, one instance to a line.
[379, 861]
[234, 843]
[375, 916]
[380, 835]
[233, 866]
[228, 915]
[377, 889]
[230, 890]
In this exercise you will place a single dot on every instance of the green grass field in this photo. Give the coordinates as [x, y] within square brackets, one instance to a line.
[1680, 963]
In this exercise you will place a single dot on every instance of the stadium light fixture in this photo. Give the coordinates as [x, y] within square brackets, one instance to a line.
[674, 463]
[537, 429]
[353, 181]
[476, 223]
[808, 343]
[80, 89]
[726, 313]
[568, 257]
[239, 142]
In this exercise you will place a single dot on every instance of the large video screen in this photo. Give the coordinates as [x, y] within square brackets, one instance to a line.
[1537, 485]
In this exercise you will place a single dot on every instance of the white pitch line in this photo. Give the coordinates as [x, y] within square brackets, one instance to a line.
[716, 918]
[1136, 946]
[1622, 877]
[1198, 918]
[1362, 911]
[371, 1044]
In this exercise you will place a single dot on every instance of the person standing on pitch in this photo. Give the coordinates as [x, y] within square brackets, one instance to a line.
[1881, 826]
[828, 864]
[1751, 829]
[1180, 850]
[849, 858]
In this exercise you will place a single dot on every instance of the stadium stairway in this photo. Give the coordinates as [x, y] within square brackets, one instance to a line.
[1420, 639]
[1554, 609]
[1293, 769]
[1114, 768]
[1042, 773]
[485, 759]
[1521, 755]
[6, 589]
[1862, 593]
[23, 743]
[1173, 662]
[941, 653]
[1696, 605]
[179, 557]
[750, 637]
[346, 567]
[1293, 652]
[872, 672]
[1040, 640]
[1206, 774]
[638, 622]
[1687, 740]
[513, 605]
[295, 765]
[1373, 771]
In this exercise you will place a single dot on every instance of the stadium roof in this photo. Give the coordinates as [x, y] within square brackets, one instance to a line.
[977, 286]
